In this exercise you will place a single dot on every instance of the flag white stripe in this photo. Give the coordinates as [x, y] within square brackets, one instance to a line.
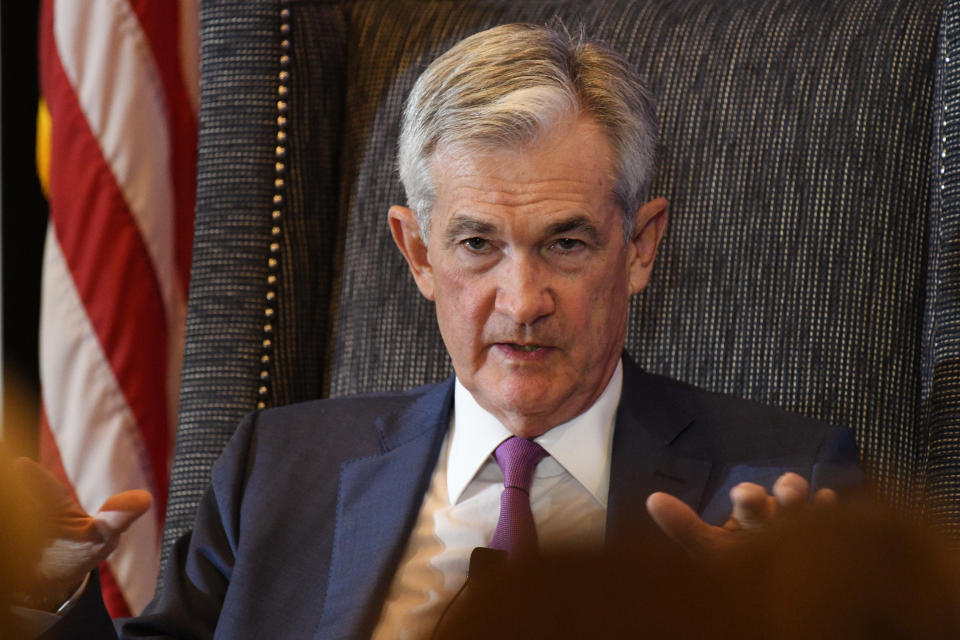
[97, 436]
[137, 561]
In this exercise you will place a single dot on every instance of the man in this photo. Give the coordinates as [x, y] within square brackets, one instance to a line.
[527, 159]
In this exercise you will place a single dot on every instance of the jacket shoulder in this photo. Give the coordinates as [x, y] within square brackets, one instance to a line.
[346, 415]
[729, 427]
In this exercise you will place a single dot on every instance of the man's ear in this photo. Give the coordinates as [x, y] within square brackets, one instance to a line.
[651, 223]
[406, 235]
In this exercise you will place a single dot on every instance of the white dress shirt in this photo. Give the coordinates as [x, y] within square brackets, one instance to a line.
[461, 508]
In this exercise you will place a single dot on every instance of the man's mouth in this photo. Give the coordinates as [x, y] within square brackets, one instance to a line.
[524, 347]
[524, 351]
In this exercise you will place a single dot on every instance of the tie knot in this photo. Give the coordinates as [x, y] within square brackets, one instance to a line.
[517, 459]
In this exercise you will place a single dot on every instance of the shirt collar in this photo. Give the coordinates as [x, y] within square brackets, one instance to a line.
[581, 445]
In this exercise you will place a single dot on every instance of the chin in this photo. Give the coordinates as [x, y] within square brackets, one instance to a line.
[517, 396]
[533, 408]
[523, 394]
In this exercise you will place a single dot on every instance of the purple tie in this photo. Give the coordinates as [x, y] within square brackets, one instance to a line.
[516, 533]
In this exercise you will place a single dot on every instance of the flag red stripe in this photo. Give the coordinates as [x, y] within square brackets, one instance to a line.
[113, 598]
[109, 262]
[160, 24]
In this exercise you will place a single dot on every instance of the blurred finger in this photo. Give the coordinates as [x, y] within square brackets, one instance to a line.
[825, 498]
[120, 511]
[680, 523]
[135, 500]
[752, 505]
[791, 490]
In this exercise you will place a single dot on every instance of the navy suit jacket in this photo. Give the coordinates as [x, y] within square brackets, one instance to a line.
[311, 505]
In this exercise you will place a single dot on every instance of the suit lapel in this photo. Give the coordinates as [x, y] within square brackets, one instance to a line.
[644, 459]
[378, 501]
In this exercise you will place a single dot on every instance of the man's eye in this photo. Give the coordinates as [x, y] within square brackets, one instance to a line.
[476, 244]
[567, 244]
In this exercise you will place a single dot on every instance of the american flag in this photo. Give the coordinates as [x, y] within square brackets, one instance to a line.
[117, 132]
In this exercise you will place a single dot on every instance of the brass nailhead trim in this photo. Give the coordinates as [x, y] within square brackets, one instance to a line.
[278, 201]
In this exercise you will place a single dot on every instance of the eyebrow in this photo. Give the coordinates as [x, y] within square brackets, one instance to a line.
[463, 225]
[580, 224]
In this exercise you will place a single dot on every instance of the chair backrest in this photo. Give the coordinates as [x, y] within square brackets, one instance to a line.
[811, 260]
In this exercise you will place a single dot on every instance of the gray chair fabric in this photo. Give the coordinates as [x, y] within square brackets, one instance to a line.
[811, 261]
[938, 467]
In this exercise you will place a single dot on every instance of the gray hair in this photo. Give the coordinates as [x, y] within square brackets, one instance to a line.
[506, 86]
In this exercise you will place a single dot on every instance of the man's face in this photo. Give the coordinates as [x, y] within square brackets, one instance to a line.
[530, 273]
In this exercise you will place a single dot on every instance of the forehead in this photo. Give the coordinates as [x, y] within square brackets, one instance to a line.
[568, 168]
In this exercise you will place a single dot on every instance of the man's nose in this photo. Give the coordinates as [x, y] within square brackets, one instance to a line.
[524, 294]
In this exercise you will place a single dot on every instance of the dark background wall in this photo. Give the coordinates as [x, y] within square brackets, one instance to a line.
[24, 214]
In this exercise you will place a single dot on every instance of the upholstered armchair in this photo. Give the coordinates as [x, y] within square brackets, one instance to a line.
[812, 259]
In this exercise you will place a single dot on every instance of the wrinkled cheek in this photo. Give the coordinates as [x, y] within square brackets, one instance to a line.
[608, 306]
[447, 320]
[459, 325]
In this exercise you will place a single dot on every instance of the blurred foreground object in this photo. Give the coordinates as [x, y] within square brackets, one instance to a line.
[50, 542]
[20, 528]
[856, 572]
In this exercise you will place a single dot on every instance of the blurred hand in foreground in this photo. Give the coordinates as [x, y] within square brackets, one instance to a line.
[753, 509]
[55, 543]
